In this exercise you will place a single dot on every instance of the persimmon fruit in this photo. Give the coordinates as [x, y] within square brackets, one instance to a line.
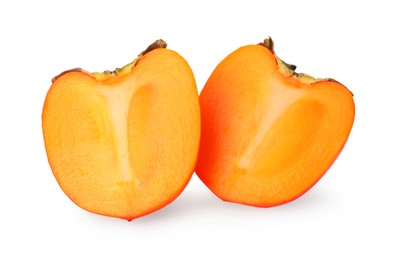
[124, 143]
[268, 134]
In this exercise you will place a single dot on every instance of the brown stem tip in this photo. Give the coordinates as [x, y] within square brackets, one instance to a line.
[156, 45]
[268, 43]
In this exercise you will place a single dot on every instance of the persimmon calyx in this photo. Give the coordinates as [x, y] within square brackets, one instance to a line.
[287, 69]
[102, 76]
[127, 68]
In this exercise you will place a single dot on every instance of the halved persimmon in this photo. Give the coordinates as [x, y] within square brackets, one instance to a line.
[268, 133]
[124, 143]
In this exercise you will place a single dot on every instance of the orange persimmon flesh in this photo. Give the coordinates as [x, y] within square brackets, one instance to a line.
[124, 143]
[269, 134]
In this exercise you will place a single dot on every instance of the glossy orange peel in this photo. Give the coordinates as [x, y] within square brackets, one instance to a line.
[268, 133]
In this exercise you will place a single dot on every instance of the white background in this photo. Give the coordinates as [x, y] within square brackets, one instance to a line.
[349, 214]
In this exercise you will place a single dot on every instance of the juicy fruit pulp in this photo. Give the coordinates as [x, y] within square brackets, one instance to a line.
[124, 143]
[269, 134]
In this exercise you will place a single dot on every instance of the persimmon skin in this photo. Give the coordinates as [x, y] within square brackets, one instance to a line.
[125, 143]
[269, 134]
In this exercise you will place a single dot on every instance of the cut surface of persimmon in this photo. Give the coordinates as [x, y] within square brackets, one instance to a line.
[268, 133]
[124, 143]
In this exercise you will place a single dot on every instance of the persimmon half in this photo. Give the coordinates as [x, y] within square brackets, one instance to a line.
[124, 143]
[268, 134]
